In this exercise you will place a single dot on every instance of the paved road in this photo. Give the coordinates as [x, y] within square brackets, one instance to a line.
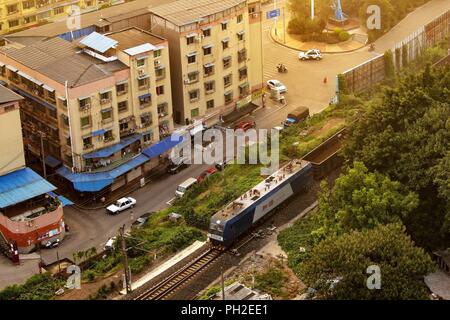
[304, 81]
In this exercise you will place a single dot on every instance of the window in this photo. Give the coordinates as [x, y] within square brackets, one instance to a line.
[123, 126]
[85, 121]
[243, 89]
[193, 77]
[227, 80]
[162, 109]
[160, 90]
[63, 102]
[160, 73]
[208, 69]
[239, 18]
[190, 39]
[148, 136]
[140, 62]
[207, 32]
[108, 136]
[13, 23]
[12, 8]
[143, 83]
[194, 95]
[105, 97]
[145, 100]
[28, 4]
[194, 113]
[225, 43]
[240, 35]
[209, 87]
[29, 19]
[121, 88]
[157, 53]
[65, 119]
[87, 142]
[227, 62]
[85, 103]
[242, 73]
[59, 10]
[191, 57]
[122, 106]
[228, 96]
[106, 115]
[146, 119]
[210, 104]
[242, 55]
[207, 50]
[224, 25]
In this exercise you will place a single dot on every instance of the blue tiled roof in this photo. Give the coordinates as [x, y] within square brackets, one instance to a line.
[162, 146]
[22, 185]
[109, 151]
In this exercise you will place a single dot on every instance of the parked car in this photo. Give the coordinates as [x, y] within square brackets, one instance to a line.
[52, 243]
[276, 85]
[179, 165]
[313, 54]
[205, 174]
[121, 205]
[245, 125]
[139, 223]
[109, 245]
[222, 164]
[185, 186]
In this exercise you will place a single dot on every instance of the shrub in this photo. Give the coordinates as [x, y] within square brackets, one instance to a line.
[344, 36]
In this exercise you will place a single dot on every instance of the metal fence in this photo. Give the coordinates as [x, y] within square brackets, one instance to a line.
[371, 72]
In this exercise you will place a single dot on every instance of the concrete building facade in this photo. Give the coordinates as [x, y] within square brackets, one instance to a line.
[215, 54]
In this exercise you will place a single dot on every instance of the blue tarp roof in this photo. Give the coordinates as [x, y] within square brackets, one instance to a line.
[98, 132]
[64, 200]
[162, 146]
[92, 182]
[109, 151]
[21, 185]
[29, 96]
[98, 42]
[52, 161]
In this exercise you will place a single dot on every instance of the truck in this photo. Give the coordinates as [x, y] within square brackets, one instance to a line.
[299, 114]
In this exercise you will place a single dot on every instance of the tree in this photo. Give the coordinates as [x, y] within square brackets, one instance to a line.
[362, 200]
[389, 67]
[345, 259]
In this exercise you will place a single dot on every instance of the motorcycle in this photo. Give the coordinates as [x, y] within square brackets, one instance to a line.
[372, 47]
[282, 68]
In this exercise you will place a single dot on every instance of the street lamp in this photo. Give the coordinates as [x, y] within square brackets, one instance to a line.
[312, 9]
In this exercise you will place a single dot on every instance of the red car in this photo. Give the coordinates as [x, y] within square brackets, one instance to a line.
[205, 174]
[245, 125]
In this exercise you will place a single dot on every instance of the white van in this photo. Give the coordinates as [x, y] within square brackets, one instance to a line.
[185, 186]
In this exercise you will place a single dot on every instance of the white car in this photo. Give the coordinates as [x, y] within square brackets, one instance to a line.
[121, 205]
[276, 85]
[109, 245]
[313, 54]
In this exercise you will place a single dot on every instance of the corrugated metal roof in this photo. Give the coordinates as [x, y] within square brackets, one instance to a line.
[22, 185]
[98, 42]
[163, 146]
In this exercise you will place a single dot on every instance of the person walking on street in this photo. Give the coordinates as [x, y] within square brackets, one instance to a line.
[325, 80]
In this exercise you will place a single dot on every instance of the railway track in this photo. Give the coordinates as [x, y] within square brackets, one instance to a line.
[167, 286]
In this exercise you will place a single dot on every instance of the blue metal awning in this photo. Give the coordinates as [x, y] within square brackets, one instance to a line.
[145, 96]
[96, 181]
[109, 151]
[162, 146]
[22, 185]
[64, 200]
[52, 162]
[98, 132]
[29, 96]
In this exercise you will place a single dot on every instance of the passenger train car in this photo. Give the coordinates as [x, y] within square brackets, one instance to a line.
[234, 220]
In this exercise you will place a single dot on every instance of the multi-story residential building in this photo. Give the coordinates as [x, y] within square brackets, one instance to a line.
[19, 14]
[96, 104]
[215, 54]
[29, 210]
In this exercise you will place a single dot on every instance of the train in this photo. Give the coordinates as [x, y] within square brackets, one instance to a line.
[238, 217]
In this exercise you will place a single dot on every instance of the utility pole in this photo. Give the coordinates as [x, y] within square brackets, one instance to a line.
[312, 9]
[222, 282]
[284, 24]
[43, 154]
[125, 260]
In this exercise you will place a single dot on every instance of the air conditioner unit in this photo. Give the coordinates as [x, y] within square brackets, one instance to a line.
[157, 63]
[103, 101]
[141, 72]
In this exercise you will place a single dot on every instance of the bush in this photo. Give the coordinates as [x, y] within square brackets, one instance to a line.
[344, 36]
[139, 263]
[89, 275]
[38, 287]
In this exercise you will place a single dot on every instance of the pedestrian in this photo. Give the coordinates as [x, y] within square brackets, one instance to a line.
[325, 80]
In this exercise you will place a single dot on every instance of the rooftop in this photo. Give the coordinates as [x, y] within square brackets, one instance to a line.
[183, 12]
[7, 95]
[238, 291]
[62, 61]
[101, 17]
[134, 37]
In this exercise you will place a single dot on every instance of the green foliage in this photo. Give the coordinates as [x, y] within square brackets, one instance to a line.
[389, 67]
[273, 281]
[301, 22]
[348, 256]
[343, 88]
[362, 200]
[405, 55]
[344, 36]
[38, 287]
[104, 291]
[138, 264]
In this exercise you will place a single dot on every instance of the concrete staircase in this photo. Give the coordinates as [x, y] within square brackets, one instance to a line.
[4, 246]
[361, 38]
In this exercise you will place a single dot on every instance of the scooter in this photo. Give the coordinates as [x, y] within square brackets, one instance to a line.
[282, 68]
[372, 47]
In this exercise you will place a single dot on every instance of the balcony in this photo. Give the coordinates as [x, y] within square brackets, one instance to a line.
[88, 146]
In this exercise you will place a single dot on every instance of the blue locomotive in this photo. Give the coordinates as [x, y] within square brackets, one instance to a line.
[239, 216]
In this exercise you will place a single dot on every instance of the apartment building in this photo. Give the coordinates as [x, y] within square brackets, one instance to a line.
[215, 54]
[94, 105]
[19, 14]
[30, 212]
